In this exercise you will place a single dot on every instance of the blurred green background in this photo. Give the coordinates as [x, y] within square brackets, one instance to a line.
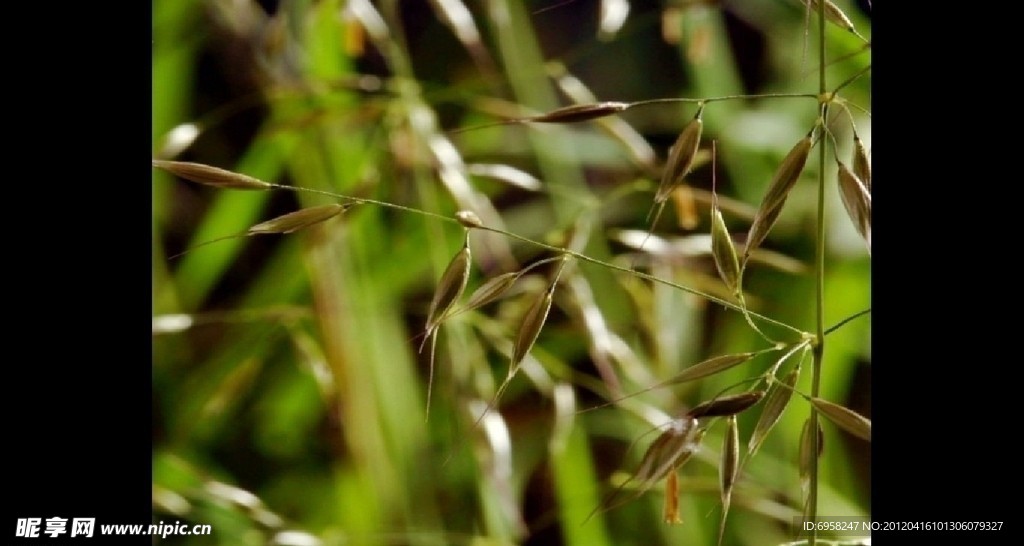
[288, 394]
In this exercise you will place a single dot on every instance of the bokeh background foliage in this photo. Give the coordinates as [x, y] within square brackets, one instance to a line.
[288, 394]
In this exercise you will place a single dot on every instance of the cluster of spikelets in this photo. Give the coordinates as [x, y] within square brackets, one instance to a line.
[681, 436]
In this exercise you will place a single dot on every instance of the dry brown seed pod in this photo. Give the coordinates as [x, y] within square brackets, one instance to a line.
[724, 251]
[680, 159]
[468, 219]
[580, 112]
[856, 200]
[861, 163]
[211, 176]
[726, 405]
[845, 418]
[778, 190]
[774, 405]
[294, 221]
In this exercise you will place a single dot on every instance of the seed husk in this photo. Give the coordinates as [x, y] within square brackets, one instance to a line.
[211, 176]
[776, 402]
[491, 290]
[709, 367]
[861, 163]
[669, 451]
[778, 190]
[807, 454]
[730, 461]
[680, 159]
[726, 405]
[845, 418]
[729, 470]
[449, 289]
[833, 15]
[533, 322]
[580, 112]
[724, 251]
[294, 221]
[856, 200]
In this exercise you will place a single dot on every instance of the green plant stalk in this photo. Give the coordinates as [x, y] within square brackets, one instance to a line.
[818, 350]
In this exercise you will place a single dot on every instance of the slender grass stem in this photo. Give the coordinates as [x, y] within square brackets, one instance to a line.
[818, 350]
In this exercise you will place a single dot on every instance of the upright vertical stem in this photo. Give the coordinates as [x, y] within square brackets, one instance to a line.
[819, 273]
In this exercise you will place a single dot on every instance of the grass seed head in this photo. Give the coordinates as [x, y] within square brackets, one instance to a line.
[724, 251]
[726, 405]
[300, 219]
[778, 190]
[680, 159]
[776, 402]
[580, 112]
[845, 418]
[710, 366]
[449, 289]
[856, 200]
[211, 176]
[533, 323]
[491, 290]
[861, 163]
